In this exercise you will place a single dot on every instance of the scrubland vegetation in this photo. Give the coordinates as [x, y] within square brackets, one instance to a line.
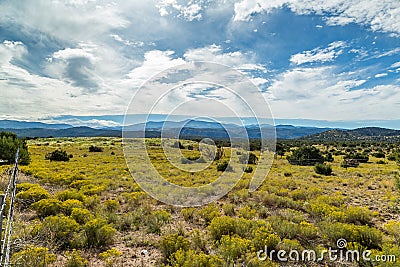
[87, 210]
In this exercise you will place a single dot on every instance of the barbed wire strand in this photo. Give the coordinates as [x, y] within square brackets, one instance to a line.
[6, 242]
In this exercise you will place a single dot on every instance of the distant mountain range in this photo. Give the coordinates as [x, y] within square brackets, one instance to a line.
[12, 124]
[200, 129]
[185, 129]
[360, 134]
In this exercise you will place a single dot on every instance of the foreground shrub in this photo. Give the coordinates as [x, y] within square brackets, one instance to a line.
[32, 194]
[47, 207]
[80, 215]
[362, 234]
[156, 220]
[98, 233]
[393, 229]
[75, 259]
[232, 248]
[110, 256]
[265, 237]
[170, 244]
[58, 229]
[289, 245]
[209, 212]
[323, 169]
[189, 258]
[111, 205]
[70, 204]
[284, 228]
[358, 215]
[221, 226]
[32, 256]
[69, 194]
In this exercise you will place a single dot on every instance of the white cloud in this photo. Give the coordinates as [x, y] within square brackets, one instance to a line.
[378, 15]
[187, 10]
[318, 54]
[10, 50]
[245, 9]
[155, 61]
[118, 38]
[395, 65]
[74, 21]
[380, 75]
[215, 53]
[320, 93]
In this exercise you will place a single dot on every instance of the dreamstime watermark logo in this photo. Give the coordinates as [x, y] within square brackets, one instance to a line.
[341, 254]
[212, 101]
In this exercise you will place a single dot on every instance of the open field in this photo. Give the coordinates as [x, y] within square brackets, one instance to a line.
[89, 210]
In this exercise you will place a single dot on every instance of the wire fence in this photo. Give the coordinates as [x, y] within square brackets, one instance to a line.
[7, 219]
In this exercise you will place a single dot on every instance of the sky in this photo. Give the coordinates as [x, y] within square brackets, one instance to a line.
[325, 60]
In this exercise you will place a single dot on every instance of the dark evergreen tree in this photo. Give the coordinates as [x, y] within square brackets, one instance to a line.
[9, 143]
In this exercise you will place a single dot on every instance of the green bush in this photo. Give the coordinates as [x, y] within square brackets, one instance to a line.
[110, 256]
[328, 157]
[224, 166]
[221, 226]
[189, 214]
[322, 168]
[25, 186]
[75, 259]
[250, 158]
[289, 245]
[247, 212]
[209, 212]
[95, 149]
[81, 215]
[189, 258]
[229, 209]
[346, 163]
[306, 155]
[170, 244]
[47, 207]
[32, 194]
[59, 229]
[379, 155]
[264, 236]
[358, 215]
[156, 220]
[58, 155]
[69, 194]
[362, 234]
[111, 205]
[70, 204]
[32, 256]
[232, 248]
[393, 229]
[284, 228]
[98, 233]
[362, 158]
[248, 169]
[162, 216]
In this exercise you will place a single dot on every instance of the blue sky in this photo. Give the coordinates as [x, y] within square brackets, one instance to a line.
[332, 60]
